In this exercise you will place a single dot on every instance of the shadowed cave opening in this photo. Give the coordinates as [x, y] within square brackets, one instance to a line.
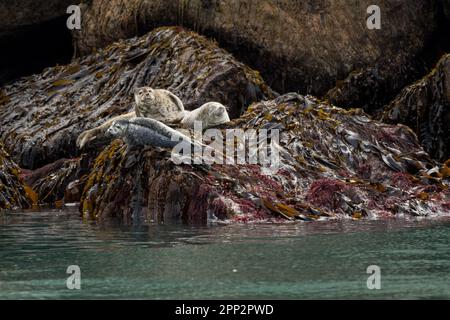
[30, 49]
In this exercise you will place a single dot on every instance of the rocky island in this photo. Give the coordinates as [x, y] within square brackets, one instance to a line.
[363, 117]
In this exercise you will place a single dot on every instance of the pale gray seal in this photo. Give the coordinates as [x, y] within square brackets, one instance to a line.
[139, 132]
[211, 114]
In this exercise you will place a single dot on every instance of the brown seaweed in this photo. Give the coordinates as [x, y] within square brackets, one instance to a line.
[14, 194]
[335, 163]
[425, 107]
[41, 115]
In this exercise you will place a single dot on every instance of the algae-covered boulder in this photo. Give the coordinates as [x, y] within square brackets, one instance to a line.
[332, 163]
[41, 115]
[425, 107]
[13, 193]
[303, 46]
[50, 182]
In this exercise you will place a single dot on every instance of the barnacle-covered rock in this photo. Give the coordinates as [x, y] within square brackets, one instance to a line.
[425, 107]
[333, 163]
[41, 115]
[13, 193]
[302, 46]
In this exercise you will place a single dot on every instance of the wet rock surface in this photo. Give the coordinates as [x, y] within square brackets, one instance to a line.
[42, 115]
[50, 182]
[334, 163]
[13, 193]
[302, 46]
[425, 107]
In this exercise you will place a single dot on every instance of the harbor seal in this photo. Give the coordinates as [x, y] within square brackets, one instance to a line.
[158, 104]
[139, 132]
[162, 105]
[211, 114]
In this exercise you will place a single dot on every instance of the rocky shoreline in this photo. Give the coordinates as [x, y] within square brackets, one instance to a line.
[381, 160]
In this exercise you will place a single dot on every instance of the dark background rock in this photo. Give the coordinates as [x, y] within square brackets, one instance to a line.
[303, 46]
[42, 115]
[19, 13]
[425, 107]
[33, 35]
[374, 86]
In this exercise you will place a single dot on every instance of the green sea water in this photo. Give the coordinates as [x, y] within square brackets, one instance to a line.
[312, 260]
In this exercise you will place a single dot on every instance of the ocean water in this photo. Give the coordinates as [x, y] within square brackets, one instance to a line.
[306, 260]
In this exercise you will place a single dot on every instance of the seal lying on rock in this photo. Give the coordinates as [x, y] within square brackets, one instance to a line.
[211, 114]
[158, 104]
[139, 132]
[164, 106]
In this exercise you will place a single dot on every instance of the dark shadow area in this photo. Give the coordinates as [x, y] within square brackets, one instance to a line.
[439, 43]
[31, 49]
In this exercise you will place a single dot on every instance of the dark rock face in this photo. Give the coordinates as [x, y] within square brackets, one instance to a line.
[373, 87]
[20, 13]
[333, 163]
[13, 193]
[425, 107]
[41, 115]
[303, 46]
[446, 8]
[33, 35]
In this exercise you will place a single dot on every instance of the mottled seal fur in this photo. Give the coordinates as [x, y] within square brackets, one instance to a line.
[211, 114]
[158, 104]
[139, 132]
[163, 106]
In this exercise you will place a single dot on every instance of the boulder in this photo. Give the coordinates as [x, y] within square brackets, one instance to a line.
[333, 163]
[14, 194]
[302, 46]
[42, 115]
[425, 107]
[50, 182]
